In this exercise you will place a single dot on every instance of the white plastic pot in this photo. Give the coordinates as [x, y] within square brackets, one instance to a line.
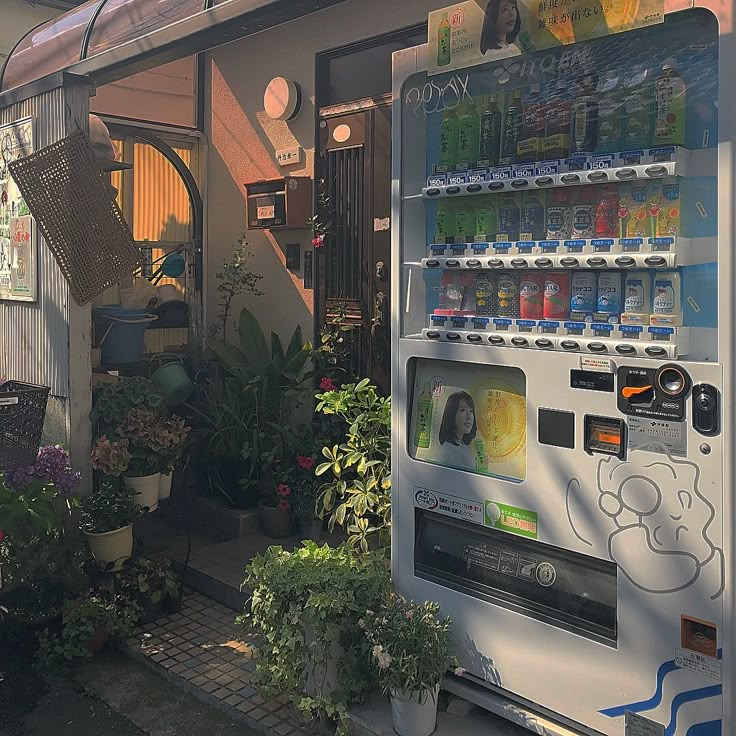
[115, 546]
[146, 489]
[164, 486]
[416, 714]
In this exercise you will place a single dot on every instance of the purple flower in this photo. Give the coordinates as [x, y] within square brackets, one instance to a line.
[19, 479]
[51, 467]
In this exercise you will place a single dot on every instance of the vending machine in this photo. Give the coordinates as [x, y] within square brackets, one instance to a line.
[563, 435]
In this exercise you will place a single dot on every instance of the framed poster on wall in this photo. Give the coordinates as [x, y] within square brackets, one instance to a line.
[18, 236]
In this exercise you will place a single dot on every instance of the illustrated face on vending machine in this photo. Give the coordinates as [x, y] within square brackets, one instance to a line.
[561, 428]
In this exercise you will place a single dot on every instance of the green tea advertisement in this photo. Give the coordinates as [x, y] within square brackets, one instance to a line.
[477, 31]
[470, 417]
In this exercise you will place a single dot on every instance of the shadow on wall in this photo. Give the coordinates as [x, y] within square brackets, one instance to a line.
[242, 148]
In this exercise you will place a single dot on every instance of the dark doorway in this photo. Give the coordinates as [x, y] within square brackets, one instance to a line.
[354, 164]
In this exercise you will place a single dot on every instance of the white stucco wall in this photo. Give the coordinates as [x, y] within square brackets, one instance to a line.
[243, 140]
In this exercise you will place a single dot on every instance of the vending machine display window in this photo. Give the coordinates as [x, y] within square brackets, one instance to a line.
[560, 587]
[470, 417]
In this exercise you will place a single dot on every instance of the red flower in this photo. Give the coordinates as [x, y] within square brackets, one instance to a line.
[326, 384]
[305, 462]
[2, 536]
[318, 241]
[283, 490]
[284, 505]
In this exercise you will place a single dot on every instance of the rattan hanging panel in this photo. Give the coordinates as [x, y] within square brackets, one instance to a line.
[77, 213]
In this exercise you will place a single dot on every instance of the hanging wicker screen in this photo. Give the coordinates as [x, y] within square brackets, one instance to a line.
[77, 213]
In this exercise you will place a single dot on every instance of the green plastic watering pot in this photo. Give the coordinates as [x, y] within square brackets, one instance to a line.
[172, 379]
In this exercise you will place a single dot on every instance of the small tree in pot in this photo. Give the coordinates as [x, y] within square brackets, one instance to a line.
[410, 650]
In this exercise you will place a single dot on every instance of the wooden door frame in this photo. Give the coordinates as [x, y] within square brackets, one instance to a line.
[322, 112]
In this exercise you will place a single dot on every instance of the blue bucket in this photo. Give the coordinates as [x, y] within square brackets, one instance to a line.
[122, 340]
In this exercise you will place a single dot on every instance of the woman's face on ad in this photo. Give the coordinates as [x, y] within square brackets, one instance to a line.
[464, 419]
[507, 14]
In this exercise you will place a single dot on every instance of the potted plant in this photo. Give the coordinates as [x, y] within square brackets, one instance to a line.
[275, 514]
[87, 625]
[305, 493]
[305, 606]
[107, 522]
[40, 549]
[152, 586]
[410, 650]
[171, 434]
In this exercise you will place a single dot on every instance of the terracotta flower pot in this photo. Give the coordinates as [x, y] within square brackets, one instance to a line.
[115, 546]
[146, 488]
[274, 522]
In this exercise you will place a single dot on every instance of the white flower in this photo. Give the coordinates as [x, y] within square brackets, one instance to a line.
[361, 623]
[384, 661]
[369, 613]
[377, 650]
[410, 614]
[460, 671]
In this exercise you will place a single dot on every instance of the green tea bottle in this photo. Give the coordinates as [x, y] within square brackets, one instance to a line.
[610, 113]
[446, 226]
[486, 220]
[512, 128]
[449, 140]
[444, 33]
[465, 222]
[490, 133]
[637, 117]
[669, 99]
[479, 450]
[423, 428]
[469, 136]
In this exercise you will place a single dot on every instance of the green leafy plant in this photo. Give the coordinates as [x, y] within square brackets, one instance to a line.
[410, 645]
[151, 585]
[40, 551]
[305, 605]
[358, 493]
[274, 383]
[108, 509]
[87, 624]
[234, 279]
[113, 402]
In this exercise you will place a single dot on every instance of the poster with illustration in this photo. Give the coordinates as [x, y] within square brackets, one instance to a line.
[477, 31]
[470, 417]
[18, 243]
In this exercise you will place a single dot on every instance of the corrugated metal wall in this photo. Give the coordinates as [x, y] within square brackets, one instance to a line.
[34, 338]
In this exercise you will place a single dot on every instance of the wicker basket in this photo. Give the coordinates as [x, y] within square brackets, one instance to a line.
[22, 413]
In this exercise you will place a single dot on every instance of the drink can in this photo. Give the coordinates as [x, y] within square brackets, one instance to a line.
[531, 295]
[557, 295]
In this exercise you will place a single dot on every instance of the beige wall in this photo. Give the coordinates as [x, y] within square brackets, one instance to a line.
[18, 17]
[164, 95]
[243, 140]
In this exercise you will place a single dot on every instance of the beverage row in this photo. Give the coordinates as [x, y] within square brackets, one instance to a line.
[635, 297]
[627, 210]
[590, 115]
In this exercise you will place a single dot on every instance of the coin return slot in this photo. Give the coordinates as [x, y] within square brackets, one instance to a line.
[605, 436]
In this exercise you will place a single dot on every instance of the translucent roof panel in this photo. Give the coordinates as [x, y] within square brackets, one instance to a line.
[125, 20]
[49, 48]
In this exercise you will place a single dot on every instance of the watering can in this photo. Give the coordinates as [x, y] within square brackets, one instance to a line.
[172, 379]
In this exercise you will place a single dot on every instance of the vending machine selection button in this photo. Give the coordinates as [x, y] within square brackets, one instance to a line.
[473, 263]
[597, 347]
[453, 336]
[570, 345]
[543, 262]
[544, 181]
[474, 338]
[625, 349]
[655, 261]
[655, 351]
[495, 263]
[519, 342]
[597, 262]
[569, 262]
[544, 343]
[473, 188]
[452, 263]
[519, 263]
[570, 178]
[626, 173]
[495, 186]
[656, 170]
[496, 340]
[625, 262]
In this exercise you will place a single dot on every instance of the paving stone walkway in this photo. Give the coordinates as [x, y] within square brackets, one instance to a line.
[202, 649]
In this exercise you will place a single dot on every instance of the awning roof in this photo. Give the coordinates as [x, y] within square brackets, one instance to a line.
[137, 29]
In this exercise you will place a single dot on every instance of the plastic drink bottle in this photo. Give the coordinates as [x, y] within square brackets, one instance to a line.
[446, 227]
[606, 212]
[531, 292]
[509, 217]
[532, 126]
[585, 116]
[449, 140]
[490, 133]
[610, 112]
[557, 295]
[486, 220]
[669, 97]
[638, 293]
[609, 293]
[423, 428]
[667, 294]
[532, 216]
[512, 128]
[468, 136]
[583, 292]
[444, 34]
[556, 144]
[637, 113]
[559, 214]
[465, 222]
[583, 213]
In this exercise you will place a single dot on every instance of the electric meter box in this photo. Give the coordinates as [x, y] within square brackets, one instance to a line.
[280, 204]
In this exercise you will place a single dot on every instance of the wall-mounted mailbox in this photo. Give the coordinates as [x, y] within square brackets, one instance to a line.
[280, 204]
